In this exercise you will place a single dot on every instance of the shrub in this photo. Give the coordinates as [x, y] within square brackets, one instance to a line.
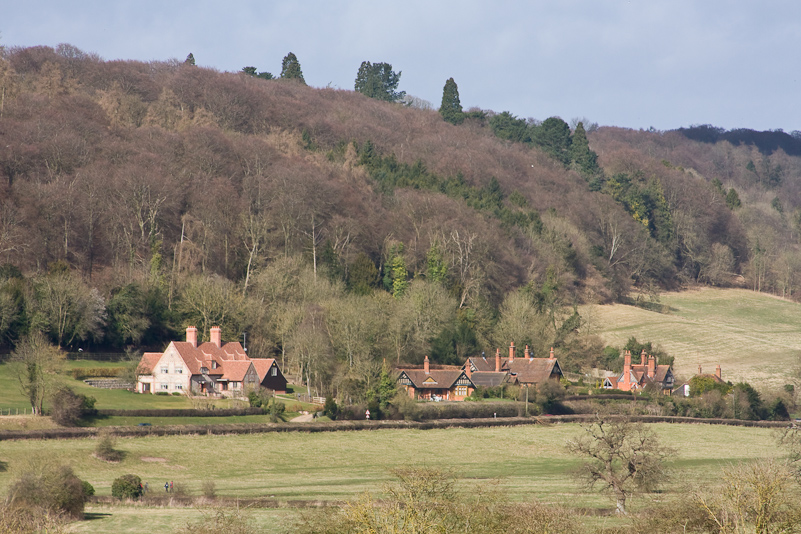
[330, 409]
[44, 486]
[127, 487]
[222, 519]
[69, 408]
[209, 489]
[105, 448]
[276, 410]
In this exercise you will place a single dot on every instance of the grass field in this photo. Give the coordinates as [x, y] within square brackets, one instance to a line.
[753, 336]
[527, 461]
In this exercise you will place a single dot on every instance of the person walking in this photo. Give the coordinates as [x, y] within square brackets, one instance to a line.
[167, 487]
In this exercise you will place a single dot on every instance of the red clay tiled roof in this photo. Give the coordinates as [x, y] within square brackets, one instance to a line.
[262, 366]
[235, 371]
[148, 362]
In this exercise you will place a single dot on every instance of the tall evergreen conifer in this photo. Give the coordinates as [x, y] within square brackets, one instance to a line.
[451, 108]
[582, 158]
[379, 81]
[290, 69]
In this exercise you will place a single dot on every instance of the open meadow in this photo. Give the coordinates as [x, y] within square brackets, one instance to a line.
[526, 461]
[755, 337]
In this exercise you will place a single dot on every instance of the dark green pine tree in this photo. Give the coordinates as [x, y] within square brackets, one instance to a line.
[190, 59]
[582, 158]
[553, 136]
[379, 81]
[249, 70]
[451, 107]
[290, 69]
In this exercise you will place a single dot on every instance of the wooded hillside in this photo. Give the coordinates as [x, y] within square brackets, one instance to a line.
[339, 230]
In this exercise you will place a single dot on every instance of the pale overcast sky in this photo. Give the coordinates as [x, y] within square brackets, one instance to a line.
[637, 64]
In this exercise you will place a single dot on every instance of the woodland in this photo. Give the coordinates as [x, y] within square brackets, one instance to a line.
[337, 230]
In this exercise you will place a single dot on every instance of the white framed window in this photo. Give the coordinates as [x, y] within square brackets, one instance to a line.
[165, 370]
[275, 371]
[179, 370]
[165, 386]
[179, 386]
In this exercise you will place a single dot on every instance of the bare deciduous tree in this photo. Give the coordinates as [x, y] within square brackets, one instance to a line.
[621, 457]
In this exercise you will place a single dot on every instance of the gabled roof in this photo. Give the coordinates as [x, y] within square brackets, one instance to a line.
[262, 366]
[532, 370]
[434, 379]
[148, 362]
[235, 371]
[481, 364]
[234, 351]
[639, 374]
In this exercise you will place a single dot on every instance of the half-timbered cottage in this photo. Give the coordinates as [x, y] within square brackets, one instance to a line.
[435, 384]
[526, 371]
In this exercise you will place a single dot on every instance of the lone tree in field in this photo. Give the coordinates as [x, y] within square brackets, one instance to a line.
[622, 457]
[451, 108]
[379, 81]
[290, 69]
[37, 364]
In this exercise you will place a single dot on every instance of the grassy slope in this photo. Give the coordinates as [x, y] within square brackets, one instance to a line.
[528, 461]
[753, 336]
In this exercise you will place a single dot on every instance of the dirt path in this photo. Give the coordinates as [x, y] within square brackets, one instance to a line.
[303, 419]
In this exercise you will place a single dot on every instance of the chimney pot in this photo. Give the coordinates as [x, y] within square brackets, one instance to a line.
[215, 335]
[551, 356]
[191, 336]
[425, 366]
[512, 352]
[626, 371]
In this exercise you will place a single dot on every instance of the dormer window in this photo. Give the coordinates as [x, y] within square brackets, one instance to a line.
[213, 364]
[204, 369]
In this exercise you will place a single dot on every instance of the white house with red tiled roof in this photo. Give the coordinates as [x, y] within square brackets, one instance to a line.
[209, 369]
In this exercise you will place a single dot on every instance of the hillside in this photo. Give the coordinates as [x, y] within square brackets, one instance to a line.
[753, 337]
[338, 231]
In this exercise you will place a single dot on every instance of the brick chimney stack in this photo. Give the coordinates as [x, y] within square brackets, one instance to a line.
[497, 360]
[191, 336]
[551, 356]
[642, 357]
[627, 371]
[651, 366]
[512, 352]
[527, 353]
[467, 370]
[215, 334]
[425, 366]
[717, 372]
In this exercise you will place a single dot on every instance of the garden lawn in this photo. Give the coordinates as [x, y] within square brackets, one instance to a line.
[754, 337]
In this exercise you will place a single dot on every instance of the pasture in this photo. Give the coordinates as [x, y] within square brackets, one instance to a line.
[526, 461]
[753, 336]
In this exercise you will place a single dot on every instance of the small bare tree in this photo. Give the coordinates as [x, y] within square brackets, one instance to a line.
[622, 457]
